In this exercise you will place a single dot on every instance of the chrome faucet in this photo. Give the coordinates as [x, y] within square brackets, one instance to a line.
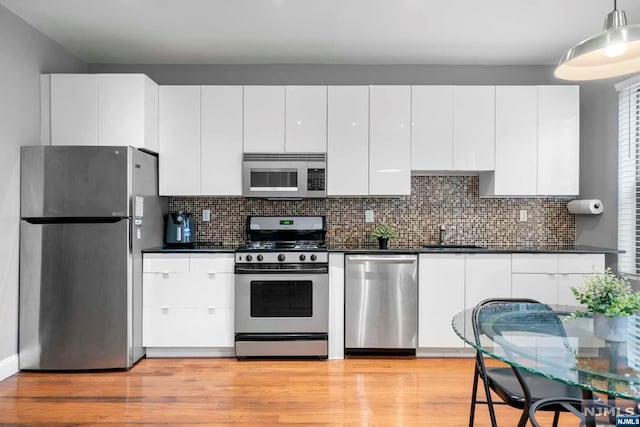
[442, 235]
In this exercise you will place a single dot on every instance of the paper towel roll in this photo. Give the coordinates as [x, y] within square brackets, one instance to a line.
[589, 206]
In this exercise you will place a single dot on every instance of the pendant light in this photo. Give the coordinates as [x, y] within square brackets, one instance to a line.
[615, 51]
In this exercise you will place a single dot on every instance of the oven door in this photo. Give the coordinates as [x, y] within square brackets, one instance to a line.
[282, 303]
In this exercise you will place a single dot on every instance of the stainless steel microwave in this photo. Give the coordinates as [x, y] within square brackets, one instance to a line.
[284, 175]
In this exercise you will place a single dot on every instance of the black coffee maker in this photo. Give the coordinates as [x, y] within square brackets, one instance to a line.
[180, 230]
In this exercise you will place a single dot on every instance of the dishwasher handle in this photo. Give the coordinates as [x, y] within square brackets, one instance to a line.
[383, 259]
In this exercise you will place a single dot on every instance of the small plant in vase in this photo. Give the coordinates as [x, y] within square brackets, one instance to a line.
[383, 233]
[611, 300]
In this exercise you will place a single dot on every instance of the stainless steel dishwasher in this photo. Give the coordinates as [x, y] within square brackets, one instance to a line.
[381, 304]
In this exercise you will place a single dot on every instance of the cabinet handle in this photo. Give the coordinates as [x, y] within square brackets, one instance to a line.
[164, 308]
[211, 274]
[211, 310]
[165, 274]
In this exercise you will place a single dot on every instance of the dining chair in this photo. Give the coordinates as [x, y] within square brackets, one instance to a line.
[515, 387]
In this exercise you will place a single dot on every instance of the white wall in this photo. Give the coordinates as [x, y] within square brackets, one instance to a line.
[24, 54]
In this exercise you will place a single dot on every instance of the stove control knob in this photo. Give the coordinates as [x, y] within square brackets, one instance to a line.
[260, 257]
[302, 257]
[313, 257]
[249, 257]
[281, 257]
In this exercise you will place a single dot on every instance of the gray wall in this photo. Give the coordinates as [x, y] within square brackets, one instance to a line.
[598, 108]
[24, 54]
[599, 163]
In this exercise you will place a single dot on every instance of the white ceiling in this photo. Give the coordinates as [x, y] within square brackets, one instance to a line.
[319, 31]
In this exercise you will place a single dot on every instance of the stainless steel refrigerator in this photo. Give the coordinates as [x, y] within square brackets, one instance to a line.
[87, 212]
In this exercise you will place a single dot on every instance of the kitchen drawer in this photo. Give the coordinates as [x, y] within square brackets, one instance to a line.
[580, 263]
[206, 263]
[191, 290]
[187, 327]
[161, 263]
[534, 263]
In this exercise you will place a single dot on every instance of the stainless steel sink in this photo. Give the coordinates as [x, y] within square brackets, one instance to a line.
[452, 247]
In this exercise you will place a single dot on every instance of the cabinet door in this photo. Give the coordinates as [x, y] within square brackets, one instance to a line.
[540, 287]
[432, 128]
[125, 104]
[179, 159]
[565, 282]
[558, 140]
[348, 141]
[74, 109]
[487, 276]
[187, 327]
[440, 297]
[516, 141]
[221, 142]
[264, 119]
[390, 140]
[306, 119]
[473, 128]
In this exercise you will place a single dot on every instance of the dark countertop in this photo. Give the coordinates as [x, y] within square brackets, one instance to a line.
[196, 250]
[491, 250]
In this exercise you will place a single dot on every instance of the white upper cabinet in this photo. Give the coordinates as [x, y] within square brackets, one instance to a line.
[179, 159]
[102, 109]
[74, 109]
[348, 140]
[306, 119]
[221, 141]
[264, 119]
[558, 140]
[128, 111]
[390, 140]
[432, 128]
[516, 143]
[473, 128]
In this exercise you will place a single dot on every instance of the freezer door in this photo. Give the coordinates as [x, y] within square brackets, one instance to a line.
[74, 286]
[74, 182]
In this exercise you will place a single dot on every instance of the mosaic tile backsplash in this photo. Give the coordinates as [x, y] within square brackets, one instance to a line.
[452, 201]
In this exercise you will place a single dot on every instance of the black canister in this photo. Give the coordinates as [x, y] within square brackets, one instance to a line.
[180, 229]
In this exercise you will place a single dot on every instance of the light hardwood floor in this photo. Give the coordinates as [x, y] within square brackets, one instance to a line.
[362, 392]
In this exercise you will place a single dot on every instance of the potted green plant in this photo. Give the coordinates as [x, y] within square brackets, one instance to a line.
[383, 233]
[611, 301]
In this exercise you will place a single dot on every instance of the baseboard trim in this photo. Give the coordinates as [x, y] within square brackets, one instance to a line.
[9, 367]
[190, 352]
[445, 352]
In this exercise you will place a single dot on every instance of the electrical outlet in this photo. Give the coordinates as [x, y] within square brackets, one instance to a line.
[523, 215]
[368, 215]
[206, 215]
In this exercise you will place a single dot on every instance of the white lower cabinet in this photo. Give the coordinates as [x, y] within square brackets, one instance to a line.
[548, 278]
[188, 300]
[540, 287]
[449, 283]
[440, 296]
[487, 276]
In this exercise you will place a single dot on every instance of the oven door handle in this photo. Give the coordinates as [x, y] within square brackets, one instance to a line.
[320, 270]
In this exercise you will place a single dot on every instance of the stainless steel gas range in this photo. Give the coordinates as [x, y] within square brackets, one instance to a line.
[282, 288]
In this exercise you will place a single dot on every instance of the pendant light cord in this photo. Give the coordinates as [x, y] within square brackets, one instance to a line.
[615, 4]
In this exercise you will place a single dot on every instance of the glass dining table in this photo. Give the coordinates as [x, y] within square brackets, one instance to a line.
[524, 336]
